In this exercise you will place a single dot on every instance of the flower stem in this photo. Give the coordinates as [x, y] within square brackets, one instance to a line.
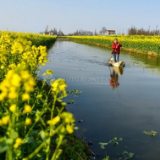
[50, 134]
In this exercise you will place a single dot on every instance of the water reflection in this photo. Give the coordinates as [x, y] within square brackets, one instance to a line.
[114, 76]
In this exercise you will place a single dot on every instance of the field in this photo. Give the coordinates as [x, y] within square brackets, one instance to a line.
[29, 116]
[140, 44]
[34, 123]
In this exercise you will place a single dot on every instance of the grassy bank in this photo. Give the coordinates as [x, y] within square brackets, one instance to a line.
[149, 45]
[73, 148]
[33, 121]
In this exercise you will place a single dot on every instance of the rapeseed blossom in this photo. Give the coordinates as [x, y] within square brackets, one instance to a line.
[28, 121]
[12, 108]
[18, 142]
[48, 72]
[54, 121]
[27, 109]
[25, 96]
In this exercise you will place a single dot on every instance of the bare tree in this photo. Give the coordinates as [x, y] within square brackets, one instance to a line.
[95, 33]
[100, 32]
[55, 31]
[46, 30]
[141, 31]
[103, 30]
[82, 32]
[60, 33]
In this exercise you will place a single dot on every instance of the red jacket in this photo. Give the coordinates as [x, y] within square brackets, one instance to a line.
[116, 47]
[114, 81]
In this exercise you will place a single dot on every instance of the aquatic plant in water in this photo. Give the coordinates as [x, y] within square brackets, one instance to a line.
[114, 141]
[150, 133]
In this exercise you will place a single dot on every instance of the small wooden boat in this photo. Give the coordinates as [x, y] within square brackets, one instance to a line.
[116, 64]
[118, 70]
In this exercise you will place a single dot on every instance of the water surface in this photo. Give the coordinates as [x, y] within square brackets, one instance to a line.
[123, 107]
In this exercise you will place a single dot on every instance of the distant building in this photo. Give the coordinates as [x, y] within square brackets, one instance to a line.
[51, 32]
[110, 32]
[45, 32]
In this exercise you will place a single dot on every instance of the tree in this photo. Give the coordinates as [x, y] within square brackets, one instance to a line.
[100, 32]
[60, 33]
[103, 31]
[95, 33]
[141, 31]
[46, 30]
[55, 31]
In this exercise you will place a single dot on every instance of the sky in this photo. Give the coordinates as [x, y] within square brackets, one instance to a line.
[70, 15]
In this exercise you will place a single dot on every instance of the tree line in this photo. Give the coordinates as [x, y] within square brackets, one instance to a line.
[103, 31]
[89, 33]
[141, 31]
[76, 33]
[53, 32]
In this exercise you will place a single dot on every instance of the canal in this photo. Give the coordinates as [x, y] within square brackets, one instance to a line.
[113, 103]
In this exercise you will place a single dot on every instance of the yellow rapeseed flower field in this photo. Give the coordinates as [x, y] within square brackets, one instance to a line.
[28, 105]
[136, 42]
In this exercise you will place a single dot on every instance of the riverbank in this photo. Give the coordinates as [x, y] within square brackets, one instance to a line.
[73, 148]
[34, 123]
[133, 44]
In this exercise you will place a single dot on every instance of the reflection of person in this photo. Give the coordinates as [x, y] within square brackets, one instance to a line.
[116, 50]
[114, 80]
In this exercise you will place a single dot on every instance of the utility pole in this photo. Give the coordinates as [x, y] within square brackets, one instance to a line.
[156, 30]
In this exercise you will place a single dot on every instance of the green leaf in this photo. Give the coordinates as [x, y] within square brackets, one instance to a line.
[30, 140]
[115, 138]
[150, 133]
[130, 155]
[120, 139]
[70, 101]
[103, 143]
[127, 155]
[125, 152]
[3, 147]
[106, 158]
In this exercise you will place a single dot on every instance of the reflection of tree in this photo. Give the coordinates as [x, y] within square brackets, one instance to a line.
[114, 80]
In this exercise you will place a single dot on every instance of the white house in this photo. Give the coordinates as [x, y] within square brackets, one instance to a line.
[111, 32]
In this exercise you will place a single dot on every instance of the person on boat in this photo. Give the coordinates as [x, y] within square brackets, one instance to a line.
[114, 80]
[116, 50]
